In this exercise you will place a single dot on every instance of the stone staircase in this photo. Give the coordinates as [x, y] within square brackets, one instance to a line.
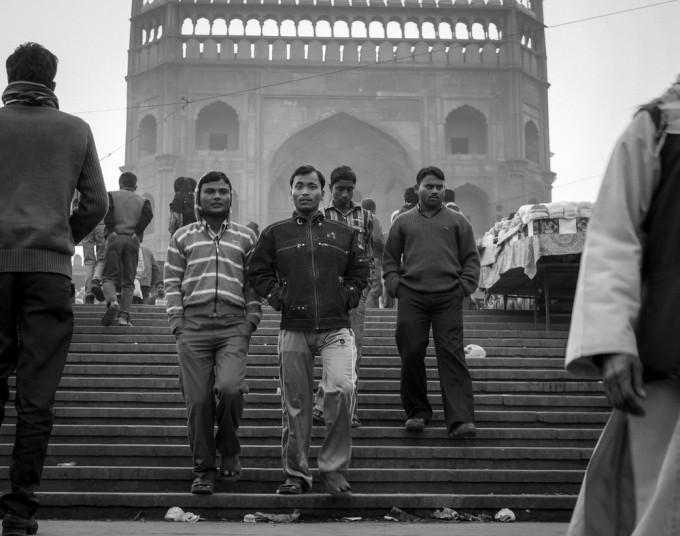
[120, 428]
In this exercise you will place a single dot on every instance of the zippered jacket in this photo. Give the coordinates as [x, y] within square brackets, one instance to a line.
[313, 271]
[204, 274]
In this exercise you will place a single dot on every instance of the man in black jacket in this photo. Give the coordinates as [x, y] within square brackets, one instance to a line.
[312, 270]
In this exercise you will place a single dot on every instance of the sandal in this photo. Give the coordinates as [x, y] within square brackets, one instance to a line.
[294, 485]
[335, 484]
[230, 469]
[317, 417]
[201, 486]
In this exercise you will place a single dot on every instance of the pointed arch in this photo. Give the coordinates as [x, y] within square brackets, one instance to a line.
[217, 128]
[147, 136]
[475, 205]
[531, 142]
[382, 163]
[465, 131]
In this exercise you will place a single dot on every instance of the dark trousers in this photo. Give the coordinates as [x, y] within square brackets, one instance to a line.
[120, 263]
[212, 375]
[416, 312]
[36, 325]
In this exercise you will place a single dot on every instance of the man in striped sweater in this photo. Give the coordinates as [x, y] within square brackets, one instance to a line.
[213, 311]
[430, 264]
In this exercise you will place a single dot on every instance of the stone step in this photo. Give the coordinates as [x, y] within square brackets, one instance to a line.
[462, 455]
[145, 348]
[570, 386]
[379, 330]
[375, 417]
[366, 375]
[314, 505]
[366, 400]
[271, 435]
[369, 341]
[120, 418]
[366, 361]
[114, 479]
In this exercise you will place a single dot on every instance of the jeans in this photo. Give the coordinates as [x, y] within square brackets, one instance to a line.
[36, 325]
[120, 262]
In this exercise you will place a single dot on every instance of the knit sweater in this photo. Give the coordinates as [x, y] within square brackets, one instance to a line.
[46, 156]
[204, 273]
[431, 254]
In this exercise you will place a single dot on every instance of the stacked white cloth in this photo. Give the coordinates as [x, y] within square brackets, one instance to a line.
[523, 213]
[555, 209]
[585, 209]
[571, 210]
[536, 212]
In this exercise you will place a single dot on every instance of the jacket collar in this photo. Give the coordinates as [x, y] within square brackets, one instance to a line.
[301, 220]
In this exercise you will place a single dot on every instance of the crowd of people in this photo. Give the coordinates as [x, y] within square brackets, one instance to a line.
[318, 268]
[321, 268]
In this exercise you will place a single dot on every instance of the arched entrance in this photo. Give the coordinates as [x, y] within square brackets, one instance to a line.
[474, 203]
[382, 166]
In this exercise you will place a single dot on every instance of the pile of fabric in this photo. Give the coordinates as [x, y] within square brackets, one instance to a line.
[559, 217]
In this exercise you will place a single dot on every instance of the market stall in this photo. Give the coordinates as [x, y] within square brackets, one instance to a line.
[536, 252]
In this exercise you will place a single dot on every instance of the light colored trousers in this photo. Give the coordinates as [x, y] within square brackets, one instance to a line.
[296, 360]
[357, 318]
[632, 484]
[94, 249]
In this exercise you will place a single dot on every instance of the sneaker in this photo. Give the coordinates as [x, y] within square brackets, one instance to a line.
[356, 423]
[122, 321]
[416, 424]
[13, 525]
[111, 314]
[96, 289]
[463, 429]
[89, 298]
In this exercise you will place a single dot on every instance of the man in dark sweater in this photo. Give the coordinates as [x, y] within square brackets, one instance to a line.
[430, 264]
[45, 156]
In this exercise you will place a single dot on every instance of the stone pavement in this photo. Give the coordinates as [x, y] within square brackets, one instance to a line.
[363, 528]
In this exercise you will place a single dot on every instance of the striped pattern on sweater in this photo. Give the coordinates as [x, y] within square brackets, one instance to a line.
[208, 271]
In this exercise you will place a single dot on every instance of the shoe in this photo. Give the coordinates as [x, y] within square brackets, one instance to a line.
[202, 486]
[122, 321]
[294, 485]
[416, 424]
[356, 423]
[111, 314]
[89, 299]
[13, 525]
[317, 417]
[463, 429]
[96, 289]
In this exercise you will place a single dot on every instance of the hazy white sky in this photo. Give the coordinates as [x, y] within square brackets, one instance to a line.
[600, 70]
